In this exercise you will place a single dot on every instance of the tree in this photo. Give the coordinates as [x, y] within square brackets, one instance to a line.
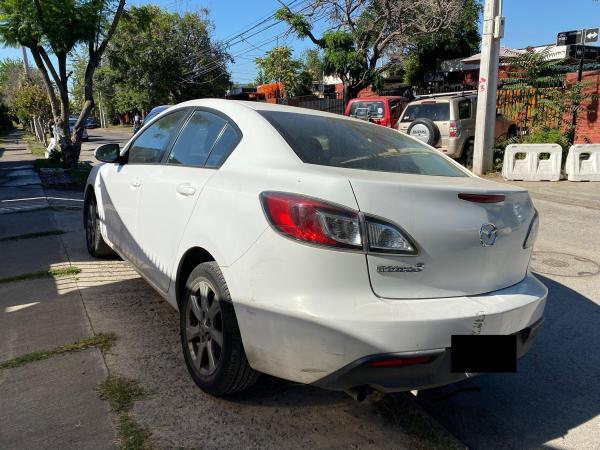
[31, 103]
[313, 63]
[11, 74]
[158, 57]
[460, 40]
[362, 32]
[57, 27]
[531, 73]
[279, 66]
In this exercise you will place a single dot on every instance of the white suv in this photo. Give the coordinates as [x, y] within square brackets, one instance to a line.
[447, 122]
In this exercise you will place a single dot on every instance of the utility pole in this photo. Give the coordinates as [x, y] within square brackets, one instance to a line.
[582, 59]
[493, 31]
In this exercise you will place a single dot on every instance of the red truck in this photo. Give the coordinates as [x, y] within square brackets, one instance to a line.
[383, 111]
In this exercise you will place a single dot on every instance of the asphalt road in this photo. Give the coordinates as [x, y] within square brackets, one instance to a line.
[552, 402]
[99, 136]
[554, 399]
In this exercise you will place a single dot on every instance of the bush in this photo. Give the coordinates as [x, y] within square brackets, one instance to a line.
[538, 135]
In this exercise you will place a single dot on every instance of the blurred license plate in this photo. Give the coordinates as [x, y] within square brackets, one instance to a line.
[484, 353]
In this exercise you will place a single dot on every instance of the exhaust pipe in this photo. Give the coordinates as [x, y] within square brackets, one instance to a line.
[358, 393]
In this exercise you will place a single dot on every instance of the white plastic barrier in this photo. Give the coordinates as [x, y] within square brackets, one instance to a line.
[583, 162]
[532, 168]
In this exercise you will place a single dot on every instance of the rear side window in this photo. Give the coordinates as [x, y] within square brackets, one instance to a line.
[151, 144]
[329, 141]
[438, 112]
[366, 109]
[228, 140]
[196, 139]
[464, 109]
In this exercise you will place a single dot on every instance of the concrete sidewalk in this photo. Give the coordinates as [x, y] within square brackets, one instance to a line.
[50, 403]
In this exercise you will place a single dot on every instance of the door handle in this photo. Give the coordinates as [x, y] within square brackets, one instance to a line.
[136, 183]
[186, 189]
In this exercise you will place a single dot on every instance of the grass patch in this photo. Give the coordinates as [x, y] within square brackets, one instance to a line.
[102, 341]
[56, 272]
[32, 235]
[120, 392]
[130, 434]
[37, 148]
[78, 176]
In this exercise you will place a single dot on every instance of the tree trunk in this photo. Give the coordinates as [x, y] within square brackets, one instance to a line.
[36, 130]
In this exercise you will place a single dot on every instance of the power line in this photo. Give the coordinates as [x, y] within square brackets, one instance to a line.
[219, 64]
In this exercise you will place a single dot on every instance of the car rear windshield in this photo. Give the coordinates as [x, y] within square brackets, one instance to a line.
[433, 111]
[329, 141]
[366, 109]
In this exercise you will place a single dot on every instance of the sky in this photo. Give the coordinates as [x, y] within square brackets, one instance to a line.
[528, 22]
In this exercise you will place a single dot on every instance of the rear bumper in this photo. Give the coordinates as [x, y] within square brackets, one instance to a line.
[435, 372]
[306, 331]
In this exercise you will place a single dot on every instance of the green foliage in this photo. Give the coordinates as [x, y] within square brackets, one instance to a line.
[530, 68]
[340, 55]
[158, 57]
[279, 66]
[313, 63]
[103, 341]
[31, 100]
[361, 33]
[545, 135]
[460, 40]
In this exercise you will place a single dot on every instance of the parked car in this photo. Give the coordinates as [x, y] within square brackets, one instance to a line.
[313, 247]
[383, 111]
[91, 122]
[447, 122]
[72, 122]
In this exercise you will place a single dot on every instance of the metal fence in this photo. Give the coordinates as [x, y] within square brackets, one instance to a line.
[521, 105]
[332, 105]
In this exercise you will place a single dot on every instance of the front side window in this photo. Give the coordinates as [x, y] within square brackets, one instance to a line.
[196, 139]
[395, 109]
[151, 144]
[329, 141]
[438, 112]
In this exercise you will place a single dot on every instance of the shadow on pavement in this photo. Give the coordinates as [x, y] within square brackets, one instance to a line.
[555, 390]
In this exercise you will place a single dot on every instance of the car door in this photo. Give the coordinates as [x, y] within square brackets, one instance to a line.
[171, 189]
[122, 183]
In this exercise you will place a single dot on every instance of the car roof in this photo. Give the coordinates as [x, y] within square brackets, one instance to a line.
[160, 108]
[218, 103]
[377, 99]
[444, 98]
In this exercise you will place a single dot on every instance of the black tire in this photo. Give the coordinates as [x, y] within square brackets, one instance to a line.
[432, 134]
[207, 316]
[95, 243]
[467, 155]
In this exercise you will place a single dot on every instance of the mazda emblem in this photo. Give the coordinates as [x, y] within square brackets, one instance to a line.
[488, 234]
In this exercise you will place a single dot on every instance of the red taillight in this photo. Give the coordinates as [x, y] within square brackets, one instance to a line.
[454, 129]
[312, 220]
[396, 362]
[482, 198]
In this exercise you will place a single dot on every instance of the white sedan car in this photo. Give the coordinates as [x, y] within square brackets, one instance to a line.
[317, 248]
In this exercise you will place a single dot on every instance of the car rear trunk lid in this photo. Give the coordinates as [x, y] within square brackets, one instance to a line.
[452, 259]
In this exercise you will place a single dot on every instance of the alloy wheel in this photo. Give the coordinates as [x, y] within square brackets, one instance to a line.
[204, 328]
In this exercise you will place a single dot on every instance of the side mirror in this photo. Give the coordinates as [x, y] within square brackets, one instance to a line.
[108, 153]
